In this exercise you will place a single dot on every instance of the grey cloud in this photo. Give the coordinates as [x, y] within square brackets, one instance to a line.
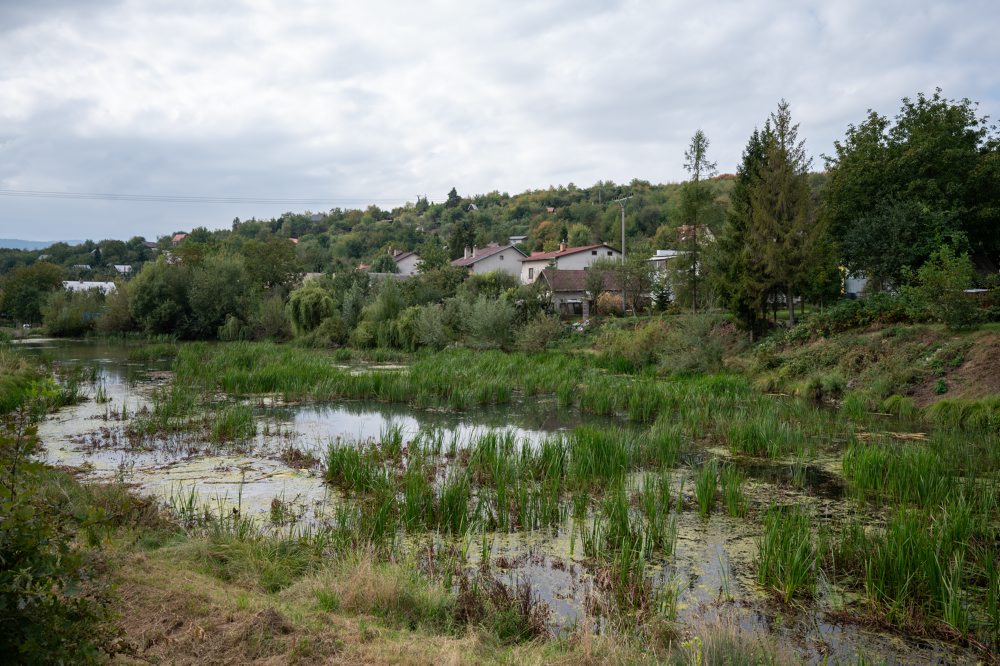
[383, 100]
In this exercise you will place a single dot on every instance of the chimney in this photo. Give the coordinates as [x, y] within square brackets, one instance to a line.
[468, 253]
[562, 246]
[475, 250]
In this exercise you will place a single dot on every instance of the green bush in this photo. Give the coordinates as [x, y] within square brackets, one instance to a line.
[233, 330]
[407, 329]
[539, 333]
[116, 317]
[877, 309]
[939, 290]
[631, 350]
[332, 332]
[270, 320]
[51, 602]
[431, 329]
[308, 307]
[363, 336]
[491, 322]
[72, 313]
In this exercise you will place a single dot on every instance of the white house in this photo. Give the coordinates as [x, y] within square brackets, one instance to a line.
[662, 260]
[493, 257]
[854, 284]
[81, 285]
[124, 269]
[406, 262]
[565, 258]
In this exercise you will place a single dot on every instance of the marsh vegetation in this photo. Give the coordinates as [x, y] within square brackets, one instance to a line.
[651, 509]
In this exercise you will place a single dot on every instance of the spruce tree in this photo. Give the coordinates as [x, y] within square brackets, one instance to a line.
[736, 273]
[784, 234]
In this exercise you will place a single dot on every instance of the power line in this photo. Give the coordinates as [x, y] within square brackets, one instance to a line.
[174, 198]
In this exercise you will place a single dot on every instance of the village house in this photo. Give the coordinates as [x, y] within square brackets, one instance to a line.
[82, 285]
[567, 289]
[493, 257]
[407, 262]
[565, 258]
[178, 238]
[664, 259]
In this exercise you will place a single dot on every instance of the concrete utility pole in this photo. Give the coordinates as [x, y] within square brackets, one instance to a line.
[621, 203]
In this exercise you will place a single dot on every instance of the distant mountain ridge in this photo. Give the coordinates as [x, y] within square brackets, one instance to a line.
[18, 244]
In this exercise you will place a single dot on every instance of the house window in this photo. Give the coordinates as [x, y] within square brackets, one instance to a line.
[501, 257]
[609, 253]
[531, 273]
[594, 252]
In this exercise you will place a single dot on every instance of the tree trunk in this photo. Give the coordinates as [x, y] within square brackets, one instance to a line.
[791, 308]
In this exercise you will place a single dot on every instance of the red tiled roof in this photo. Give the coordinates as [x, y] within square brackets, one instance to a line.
[484, 252]
[576, 280]
[562, 253]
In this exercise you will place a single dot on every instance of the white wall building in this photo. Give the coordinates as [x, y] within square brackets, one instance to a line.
[407, 262]
[81, 285]
[565, 258]
[660, 262]
[494, 257]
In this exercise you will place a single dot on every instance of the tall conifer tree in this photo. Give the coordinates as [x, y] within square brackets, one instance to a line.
[784, 234]
[736, 273]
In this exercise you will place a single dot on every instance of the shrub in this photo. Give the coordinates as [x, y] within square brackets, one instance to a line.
[539, 333]
[880, 309]
[608, 303]
[939, 293]
[51, 607]
[233, 330]
[69, 313]
[457, 316]
[270, 321]
[628, 351]
[332, 332]
[431, 329]
[407, 336]
[694, 346]
[493, 284]
[363, 336]
[116, 317]
[491, 321]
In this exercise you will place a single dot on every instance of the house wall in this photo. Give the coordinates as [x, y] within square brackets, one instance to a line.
[854, 285]
[408, 265]
[528, 276]
[575, 261]
[581, 260]
[508, 261]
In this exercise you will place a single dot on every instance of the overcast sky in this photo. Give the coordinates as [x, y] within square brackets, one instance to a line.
[376, 102]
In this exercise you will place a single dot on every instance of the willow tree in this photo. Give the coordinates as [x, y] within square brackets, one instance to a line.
[308, 306]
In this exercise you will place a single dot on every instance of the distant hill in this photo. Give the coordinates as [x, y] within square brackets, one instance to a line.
[17, 244]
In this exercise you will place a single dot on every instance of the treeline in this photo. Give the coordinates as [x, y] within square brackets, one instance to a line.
[905, 202]
[912, 204]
